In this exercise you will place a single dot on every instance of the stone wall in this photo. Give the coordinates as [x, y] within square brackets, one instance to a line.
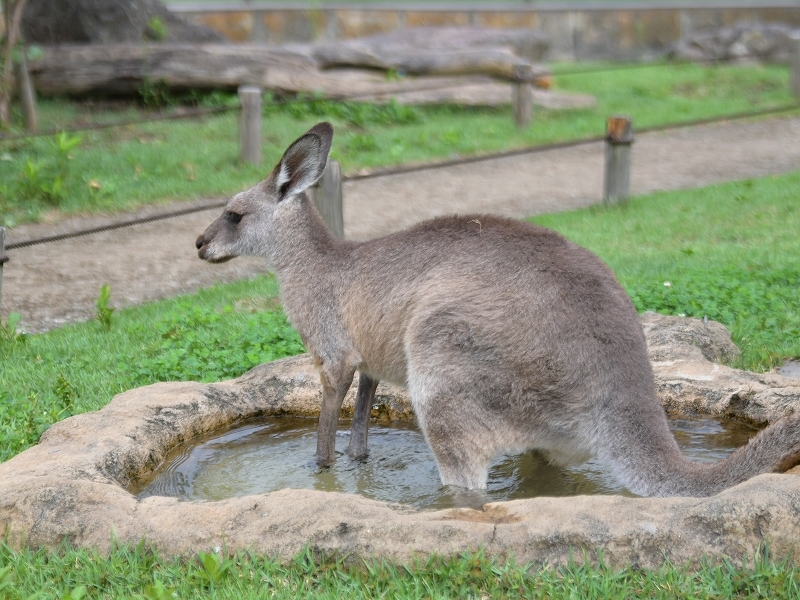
[577, 31]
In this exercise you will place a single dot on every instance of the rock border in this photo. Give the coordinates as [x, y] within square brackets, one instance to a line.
[72, 485]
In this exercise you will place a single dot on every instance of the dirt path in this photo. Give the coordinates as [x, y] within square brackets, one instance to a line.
[57, 283]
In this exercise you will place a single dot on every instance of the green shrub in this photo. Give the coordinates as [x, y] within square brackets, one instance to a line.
[197, 343]
[156, 29]
[104, 311]
[46, 177]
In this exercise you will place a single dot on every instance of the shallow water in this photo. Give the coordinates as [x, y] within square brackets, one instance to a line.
[276, 453]
[791, 368]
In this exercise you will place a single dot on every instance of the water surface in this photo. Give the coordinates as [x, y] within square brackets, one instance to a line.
[278, 452]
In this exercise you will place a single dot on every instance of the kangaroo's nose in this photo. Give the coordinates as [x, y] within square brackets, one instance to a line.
[199, 242]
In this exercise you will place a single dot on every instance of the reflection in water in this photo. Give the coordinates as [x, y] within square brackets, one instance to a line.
[277, 453]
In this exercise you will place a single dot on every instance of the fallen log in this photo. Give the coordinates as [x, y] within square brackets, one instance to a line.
[506, 54]
[125, 69]
[465, 90]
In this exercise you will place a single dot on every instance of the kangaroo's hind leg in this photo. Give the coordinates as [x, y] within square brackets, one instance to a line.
[460, 389]
[459, 444]
[336, 380]
[461, 433]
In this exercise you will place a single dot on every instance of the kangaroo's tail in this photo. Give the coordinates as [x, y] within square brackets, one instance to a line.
[656, 466]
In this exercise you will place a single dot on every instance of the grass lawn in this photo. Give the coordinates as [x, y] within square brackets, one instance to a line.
[141, 574]
[123, 167]
[730, 252]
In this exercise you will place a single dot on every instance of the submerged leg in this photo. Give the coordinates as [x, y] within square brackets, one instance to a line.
[460, 462]
[460, 435]
[358, 437]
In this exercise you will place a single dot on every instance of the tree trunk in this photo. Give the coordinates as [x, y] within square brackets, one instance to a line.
[108, 22]
[13, 16]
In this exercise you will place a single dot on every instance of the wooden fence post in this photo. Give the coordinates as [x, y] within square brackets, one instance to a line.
[3, 260]
[619, 137]
[250, 124]
[27, 93]
[522, 95]
[794, 63]
[328, 198]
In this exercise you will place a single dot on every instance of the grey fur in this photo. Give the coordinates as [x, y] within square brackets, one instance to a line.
[508, 336]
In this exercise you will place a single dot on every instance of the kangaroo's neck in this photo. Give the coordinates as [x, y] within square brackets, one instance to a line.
[310, 264]
[303, 243]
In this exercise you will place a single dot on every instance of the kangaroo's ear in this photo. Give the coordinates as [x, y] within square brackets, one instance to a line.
[304, 161]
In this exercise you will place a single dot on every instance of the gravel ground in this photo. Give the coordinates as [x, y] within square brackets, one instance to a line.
[58, 282]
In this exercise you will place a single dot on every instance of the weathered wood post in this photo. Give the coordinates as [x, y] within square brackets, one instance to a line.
[250, 124]
[328, 198]
[3, 260]
[522, 95]
[794, 48]
[27, 93]
[619, 137]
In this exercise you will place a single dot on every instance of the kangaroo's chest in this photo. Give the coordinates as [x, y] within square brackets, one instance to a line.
[378, 339]
[377, 333]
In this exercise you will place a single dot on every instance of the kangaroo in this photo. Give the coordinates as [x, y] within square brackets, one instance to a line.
[507, 336]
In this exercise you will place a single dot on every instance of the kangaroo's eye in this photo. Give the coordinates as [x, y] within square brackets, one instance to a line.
[234, 217]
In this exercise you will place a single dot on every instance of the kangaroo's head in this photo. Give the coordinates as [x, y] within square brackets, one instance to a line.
[249, 221]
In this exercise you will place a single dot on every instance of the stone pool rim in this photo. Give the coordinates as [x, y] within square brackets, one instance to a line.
[72, 485]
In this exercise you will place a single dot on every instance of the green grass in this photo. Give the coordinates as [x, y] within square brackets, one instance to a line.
[215, 334]
[124, 167]
[139, 573]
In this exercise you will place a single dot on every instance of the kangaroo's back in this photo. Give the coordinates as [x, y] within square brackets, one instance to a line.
[527, 290]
